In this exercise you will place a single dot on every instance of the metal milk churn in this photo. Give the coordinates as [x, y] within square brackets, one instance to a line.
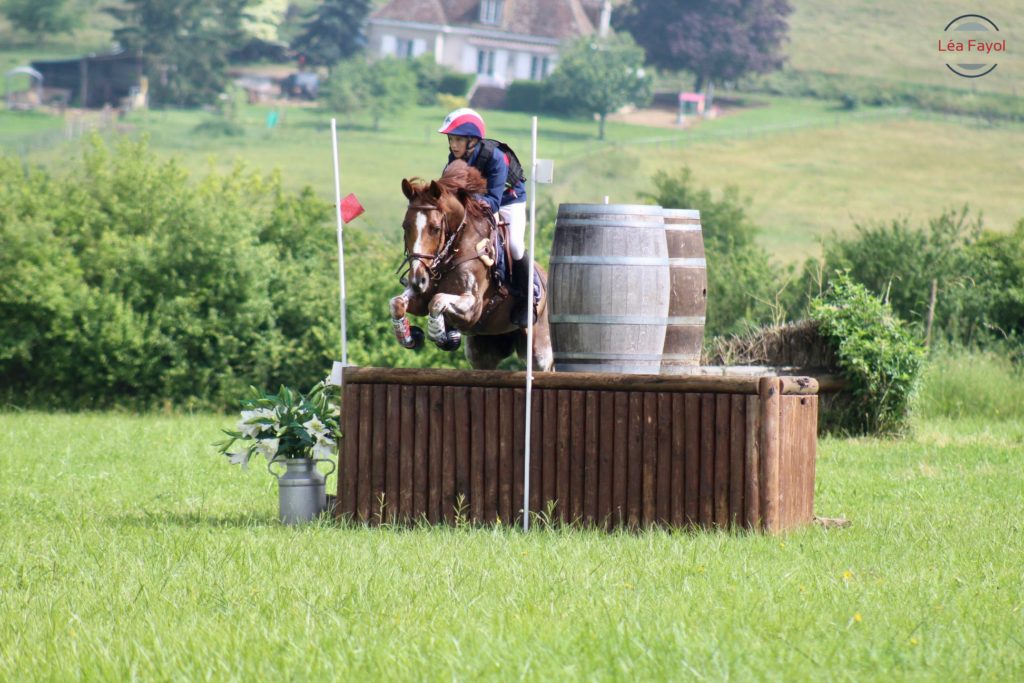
[300, 489]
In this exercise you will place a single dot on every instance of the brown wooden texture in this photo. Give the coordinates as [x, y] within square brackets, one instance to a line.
[606, 459]
[649, 465]
[536, 437]
[707, 460]
[491, 435]
[769, 448]
[577, 455]
[407, 402]
[377, 467]
[421, 453]
[621, 456]
[363, 501]
[591, 458]
[518, 452]
[635, 455]
[348, 458]
[505, 441]
[692, 459]
[558, 380]
[391, 452]
[462, 450]
[752, 464]
[634, 458]
[678, 459]
[476, 452]
[449, 456]
[562, 452]
[797, 460]
[663, 476]
[723, 413]
[737, 434]
[549, 442]
[437, 423]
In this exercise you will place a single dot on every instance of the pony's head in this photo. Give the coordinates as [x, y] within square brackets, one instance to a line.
[436, 212]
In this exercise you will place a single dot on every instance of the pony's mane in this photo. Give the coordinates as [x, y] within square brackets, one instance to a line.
[458, 175]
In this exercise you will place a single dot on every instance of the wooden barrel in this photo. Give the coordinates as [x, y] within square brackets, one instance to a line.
[684, 333]
[609, 288]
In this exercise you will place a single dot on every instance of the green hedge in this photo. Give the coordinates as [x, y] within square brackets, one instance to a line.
[125, 283]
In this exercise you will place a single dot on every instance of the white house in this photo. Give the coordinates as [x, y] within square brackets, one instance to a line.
[499, 40]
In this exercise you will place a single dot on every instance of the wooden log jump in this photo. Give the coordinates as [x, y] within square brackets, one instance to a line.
[606, 450]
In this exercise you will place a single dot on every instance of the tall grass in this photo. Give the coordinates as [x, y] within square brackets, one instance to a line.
[962, 384]
[129, 550]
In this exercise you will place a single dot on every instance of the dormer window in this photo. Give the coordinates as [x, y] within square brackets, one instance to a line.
[490, 12]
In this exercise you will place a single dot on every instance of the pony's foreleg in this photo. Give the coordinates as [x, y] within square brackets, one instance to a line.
[409, 336]
[460, 309]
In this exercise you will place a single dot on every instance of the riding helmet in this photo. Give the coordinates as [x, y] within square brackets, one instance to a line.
[463, 122]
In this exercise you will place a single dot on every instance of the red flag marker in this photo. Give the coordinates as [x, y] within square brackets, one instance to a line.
[350, 208]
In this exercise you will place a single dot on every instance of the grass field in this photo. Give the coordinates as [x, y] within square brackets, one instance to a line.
[808, 169]
[898, 41]
[129, 550]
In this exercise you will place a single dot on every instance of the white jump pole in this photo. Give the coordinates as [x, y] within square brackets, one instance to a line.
[341, 244]
[529, 331]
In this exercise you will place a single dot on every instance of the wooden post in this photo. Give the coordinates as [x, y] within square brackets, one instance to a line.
[931, 314]
[769, 391]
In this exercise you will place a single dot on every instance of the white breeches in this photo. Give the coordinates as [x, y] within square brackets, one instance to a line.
[515, 216]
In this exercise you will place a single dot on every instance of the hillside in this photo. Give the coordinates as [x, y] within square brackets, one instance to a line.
[897, 41]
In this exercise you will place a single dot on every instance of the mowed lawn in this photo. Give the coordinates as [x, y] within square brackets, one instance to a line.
[128, 549]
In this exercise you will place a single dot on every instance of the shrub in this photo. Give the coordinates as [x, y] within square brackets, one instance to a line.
[527, 96]
[123, 283]
[879, 357]
[455, 84]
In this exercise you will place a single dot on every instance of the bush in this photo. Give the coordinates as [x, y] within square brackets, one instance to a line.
[455, 84]
[122, 283]
[527, 96]
[979, 275]
[879, 357]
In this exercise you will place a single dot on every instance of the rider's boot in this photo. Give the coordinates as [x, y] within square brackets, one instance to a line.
[520, 282]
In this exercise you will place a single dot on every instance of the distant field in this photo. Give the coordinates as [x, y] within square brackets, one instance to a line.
[898, 40]
[808, 168]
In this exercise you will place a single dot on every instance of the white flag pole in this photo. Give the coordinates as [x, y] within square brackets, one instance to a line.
[529, 332]
[341, 244]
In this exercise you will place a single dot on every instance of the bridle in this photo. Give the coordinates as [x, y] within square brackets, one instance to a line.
[436, 261]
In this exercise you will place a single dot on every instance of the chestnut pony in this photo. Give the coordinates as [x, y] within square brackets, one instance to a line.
[450, 248]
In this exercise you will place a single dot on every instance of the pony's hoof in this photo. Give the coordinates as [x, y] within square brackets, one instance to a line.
[451, 342]
[417, 338]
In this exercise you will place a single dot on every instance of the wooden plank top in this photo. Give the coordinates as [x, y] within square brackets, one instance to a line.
[573, 380]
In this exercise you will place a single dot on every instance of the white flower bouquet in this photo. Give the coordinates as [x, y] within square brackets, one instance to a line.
[285, 425]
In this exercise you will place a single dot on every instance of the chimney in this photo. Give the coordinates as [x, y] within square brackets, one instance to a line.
[606, 18]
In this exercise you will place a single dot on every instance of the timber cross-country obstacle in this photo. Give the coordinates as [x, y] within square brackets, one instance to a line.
[607, 450]
[634, 435]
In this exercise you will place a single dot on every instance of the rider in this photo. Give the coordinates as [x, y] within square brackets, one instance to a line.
[506, 196]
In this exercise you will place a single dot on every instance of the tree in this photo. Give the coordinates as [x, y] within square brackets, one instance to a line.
[333, 32]
[717, 41]
[185, 45]
[382, 88]
[601, 75]
[40, 17]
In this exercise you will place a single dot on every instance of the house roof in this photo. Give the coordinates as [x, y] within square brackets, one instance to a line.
[558, 19]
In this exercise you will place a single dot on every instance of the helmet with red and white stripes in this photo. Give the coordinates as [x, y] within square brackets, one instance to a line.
[463, 122]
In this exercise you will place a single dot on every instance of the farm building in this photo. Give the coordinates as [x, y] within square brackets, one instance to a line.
[498, 40]
[94, 81]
